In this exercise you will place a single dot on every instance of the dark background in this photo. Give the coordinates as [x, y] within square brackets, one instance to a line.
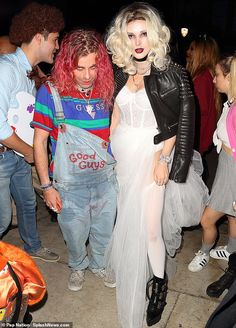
[216, 18]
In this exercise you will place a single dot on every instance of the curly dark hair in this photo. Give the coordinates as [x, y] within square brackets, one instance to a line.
[35, 18]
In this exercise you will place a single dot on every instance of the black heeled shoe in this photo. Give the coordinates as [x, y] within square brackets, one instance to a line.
[157, 300]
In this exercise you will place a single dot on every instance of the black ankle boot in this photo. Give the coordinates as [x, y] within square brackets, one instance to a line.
[157, 301]
[217, 288]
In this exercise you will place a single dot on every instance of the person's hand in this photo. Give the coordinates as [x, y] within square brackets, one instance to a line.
[29, 157]
[161, 173]
[52, 199]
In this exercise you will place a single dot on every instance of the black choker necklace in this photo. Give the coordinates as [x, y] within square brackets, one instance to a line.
[86, 91]
[141, 59]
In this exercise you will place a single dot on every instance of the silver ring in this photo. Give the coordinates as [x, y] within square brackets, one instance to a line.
[53, 209]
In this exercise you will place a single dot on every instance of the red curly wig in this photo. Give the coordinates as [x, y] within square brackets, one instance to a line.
[35, 18]
[74, 45]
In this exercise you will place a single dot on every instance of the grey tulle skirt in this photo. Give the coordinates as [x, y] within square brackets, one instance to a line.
[224, 186]
[184, 205]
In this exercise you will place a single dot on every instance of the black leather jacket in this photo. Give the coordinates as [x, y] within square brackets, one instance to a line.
[173, 104]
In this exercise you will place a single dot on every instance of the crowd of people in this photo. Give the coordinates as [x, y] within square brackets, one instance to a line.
[117, 133]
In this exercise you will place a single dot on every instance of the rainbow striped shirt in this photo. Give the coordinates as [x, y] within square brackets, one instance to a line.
[75, 114]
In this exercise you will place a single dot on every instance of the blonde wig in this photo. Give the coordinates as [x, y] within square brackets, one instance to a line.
[228, 67]
[118, 43]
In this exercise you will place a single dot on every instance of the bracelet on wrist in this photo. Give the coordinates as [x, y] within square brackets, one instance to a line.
[46, 186]
[165, 159]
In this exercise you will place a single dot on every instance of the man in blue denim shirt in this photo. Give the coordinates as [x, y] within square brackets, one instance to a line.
[35, 30]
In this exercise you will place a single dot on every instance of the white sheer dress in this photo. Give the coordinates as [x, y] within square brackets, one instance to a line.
[140, 203]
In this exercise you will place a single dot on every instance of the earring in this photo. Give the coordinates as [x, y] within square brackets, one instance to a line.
[151, 54]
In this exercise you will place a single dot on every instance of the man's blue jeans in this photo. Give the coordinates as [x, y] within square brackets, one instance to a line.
[16, 181]
[88, 212]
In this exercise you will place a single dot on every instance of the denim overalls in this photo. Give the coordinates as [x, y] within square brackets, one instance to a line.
[84, 176]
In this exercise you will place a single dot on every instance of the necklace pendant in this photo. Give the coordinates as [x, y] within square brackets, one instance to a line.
[136, 84]
[89, 108]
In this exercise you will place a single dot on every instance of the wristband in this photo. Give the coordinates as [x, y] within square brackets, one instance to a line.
[46, 186]
[165, 159]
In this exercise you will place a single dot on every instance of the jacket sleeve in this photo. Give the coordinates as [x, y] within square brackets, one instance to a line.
[185, 133]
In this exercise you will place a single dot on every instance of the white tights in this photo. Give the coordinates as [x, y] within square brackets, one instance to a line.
[156, 247]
